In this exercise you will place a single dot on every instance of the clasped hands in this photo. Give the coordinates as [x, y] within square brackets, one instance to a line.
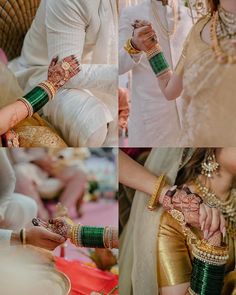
[144, 37]
[195, 212]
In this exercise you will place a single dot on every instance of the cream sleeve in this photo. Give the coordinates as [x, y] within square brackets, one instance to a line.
[5, 237]
[179, 70]
[126, 61]
[66, 25]
[7, 175]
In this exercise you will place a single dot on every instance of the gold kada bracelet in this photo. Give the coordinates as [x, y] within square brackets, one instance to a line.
[154, 199]
[130, 48]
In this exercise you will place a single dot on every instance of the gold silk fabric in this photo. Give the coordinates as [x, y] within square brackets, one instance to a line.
[174, 258]
[208, 93]
[33, 132]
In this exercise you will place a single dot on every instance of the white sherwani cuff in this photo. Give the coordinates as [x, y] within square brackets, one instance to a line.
[5, 237]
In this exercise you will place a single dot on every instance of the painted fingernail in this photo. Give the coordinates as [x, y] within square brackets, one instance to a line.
[224, 232]
[62, 239]
[206, 234]
[209, 235]
[203, 225]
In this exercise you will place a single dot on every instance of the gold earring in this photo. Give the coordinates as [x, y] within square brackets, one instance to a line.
[209, 165]
[199, 5]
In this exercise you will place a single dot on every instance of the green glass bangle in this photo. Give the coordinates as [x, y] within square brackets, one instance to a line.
[207, 279]
[92, 237]
[21, 236]
[37, 98]
[159, 64]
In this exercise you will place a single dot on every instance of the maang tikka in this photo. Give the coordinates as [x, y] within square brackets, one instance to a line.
[209, 165]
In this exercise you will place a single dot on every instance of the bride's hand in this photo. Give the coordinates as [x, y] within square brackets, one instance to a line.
[60, 72]
[144, 37]
[196, 213]
[60, 226]
[211, 221]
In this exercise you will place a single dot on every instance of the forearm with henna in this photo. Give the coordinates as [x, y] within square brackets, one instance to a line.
[58, 74]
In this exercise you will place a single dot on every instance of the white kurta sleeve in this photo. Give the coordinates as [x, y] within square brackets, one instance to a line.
[7, 175]
[5, 237]
[126, 62]
[66, 24]
[7, 182]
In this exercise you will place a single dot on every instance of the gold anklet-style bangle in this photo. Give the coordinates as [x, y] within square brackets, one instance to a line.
[154, 199]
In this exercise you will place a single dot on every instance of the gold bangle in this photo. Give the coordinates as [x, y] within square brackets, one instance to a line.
[24, 236]
[153, 51]
[49, 88]
[75, 236]
[28, 106]
[154, 199]
[105, 237]
[72, 234]
[130, 48]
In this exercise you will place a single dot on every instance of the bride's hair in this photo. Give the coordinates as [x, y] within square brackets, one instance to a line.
[193, 167]
[213, 4]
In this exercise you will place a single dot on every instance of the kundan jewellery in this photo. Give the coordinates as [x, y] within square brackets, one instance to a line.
[223, 27]
[208, 268]
[227, 208]
[210, 256]
[209, 165]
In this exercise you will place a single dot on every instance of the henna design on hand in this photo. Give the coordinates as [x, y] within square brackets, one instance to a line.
[186, 202]
[61, 72]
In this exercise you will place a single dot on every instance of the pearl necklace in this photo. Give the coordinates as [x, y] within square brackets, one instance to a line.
[227, 208]
[227, 24]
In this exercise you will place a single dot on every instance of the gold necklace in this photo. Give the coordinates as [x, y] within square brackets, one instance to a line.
[227, 208]
[168, 33]
[221, 56]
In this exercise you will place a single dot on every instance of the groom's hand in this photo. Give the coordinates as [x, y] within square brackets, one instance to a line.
[144, 37]
[40, 237]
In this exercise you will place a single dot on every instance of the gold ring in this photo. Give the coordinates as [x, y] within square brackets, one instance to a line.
[66, 66]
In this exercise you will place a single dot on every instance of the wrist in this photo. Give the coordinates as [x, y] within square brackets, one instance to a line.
[157, 61]
[129, 47]
[150, 52]
[154, 200]
[23, 109]
[49, 87]
[134, 45]
[163, 194]
[25, 104]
